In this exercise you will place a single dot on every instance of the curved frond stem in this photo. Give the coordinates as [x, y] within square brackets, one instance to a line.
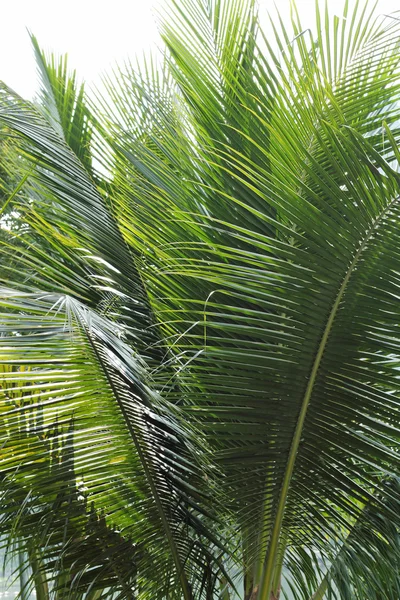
[272, 551]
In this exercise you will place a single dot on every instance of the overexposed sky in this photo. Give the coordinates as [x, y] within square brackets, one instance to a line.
[95, 33]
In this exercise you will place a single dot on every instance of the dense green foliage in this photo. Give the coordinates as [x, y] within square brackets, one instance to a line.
[200, 317]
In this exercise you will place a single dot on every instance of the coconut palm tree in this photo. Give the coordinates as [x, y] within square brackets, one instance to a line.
[200, 315]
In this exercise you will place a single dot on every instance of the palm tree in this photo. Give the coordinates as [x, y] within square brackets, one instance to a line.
[200, 315]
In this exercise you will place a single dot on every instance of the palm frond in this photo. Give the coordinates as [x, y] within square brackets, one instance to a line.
[73, 391]
[246, 238]
[264, 288]
[63, 103]
[64, 207]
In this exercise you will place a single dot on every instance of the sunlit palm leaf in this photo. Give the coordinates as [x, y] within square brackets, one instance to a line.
[266, 291]
[251, 211]
[63, 104]
[62, 362]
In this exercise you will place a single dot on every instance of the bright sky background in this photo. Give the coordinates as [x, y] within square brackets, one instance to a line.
[95, 33]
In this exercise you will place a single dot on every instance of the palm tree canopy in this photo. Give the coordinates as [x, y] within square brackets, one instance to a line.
[200, 314]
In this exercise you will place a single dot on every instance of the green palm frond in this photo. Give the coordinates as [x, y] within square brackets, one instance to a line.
[63, 103]
[252, 286]
[131, 454]
[64, 207]
[218, 314]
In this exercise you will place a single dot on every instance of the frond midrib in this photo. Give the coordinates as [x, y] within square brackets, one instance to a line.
[268, 572]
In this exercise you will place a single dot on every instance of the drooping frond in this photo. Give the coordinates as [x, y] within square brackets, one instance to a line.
[69, 215]
[82, 428]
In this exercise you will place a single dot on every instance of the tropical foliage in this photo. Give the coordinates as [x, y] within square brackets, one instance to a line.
[200, 315]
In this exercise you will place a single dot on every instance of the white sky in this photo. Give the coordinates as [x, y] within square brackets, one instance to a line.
[95, 33]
